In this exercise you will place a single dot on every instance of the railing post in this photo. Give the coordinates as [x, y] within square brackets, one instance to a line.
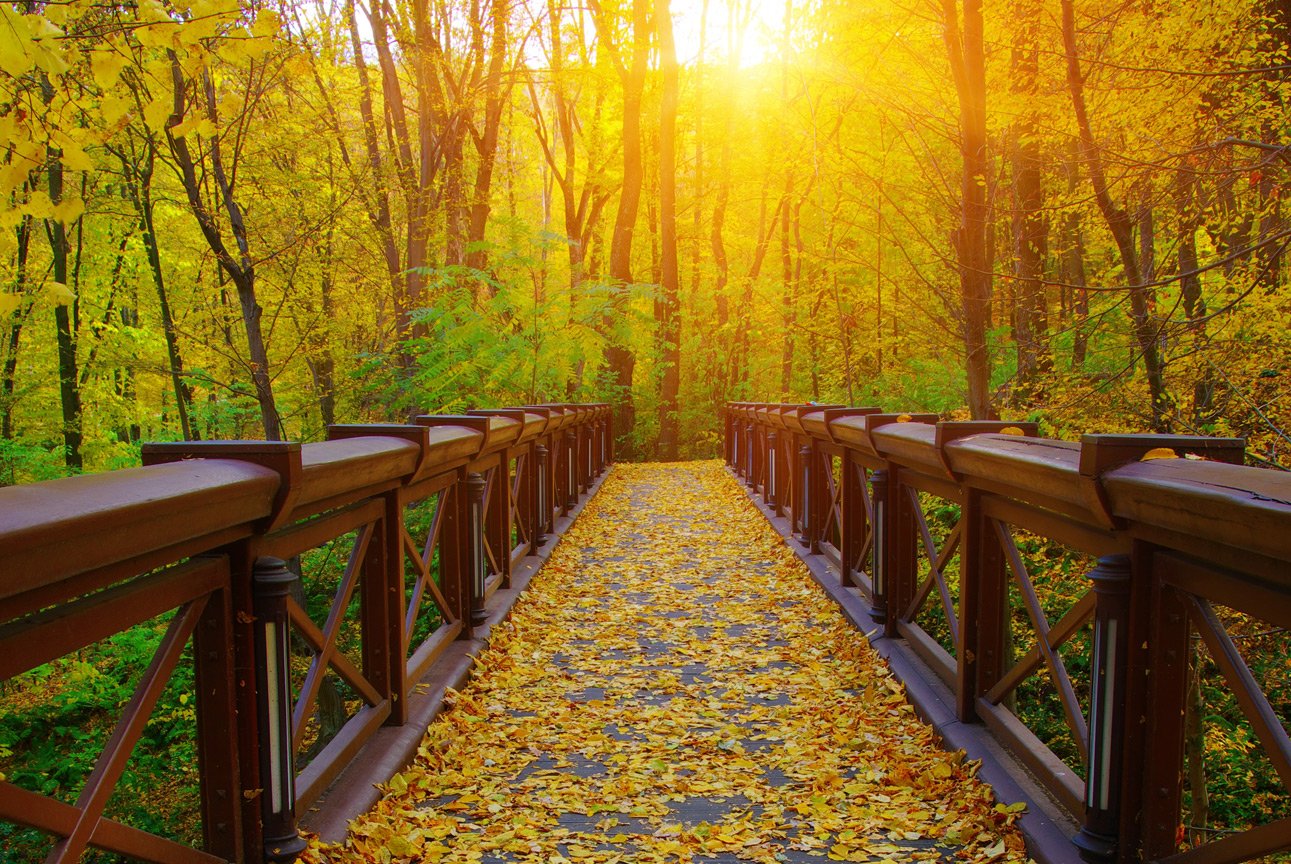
[271, 582]
[984, 619]
[750, 455]
[1161, 770]
[478, 557]
[853, 524]
[216, 674]
[497, 516]
[382, 610]
[805, 472]
[1098, 836]
[879, 531]
[901, 555]
[542, 509]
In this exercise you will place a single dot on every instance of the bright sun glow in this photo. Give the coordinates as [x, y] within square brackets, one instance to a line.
[759, 22]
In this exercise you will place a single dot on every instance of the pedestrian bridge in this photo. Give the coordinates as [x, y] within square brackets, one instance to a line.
[472, 639]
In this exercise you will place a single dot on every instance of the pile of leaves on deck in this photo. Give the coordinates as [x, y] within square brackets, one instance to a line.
[674, 687]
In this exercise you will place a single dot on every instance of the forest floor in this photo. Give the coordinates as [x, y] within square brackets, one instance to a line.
[675, 687]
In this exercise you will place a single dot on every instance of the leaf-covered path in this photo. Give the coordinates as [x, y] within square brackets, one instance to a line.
[674, 687]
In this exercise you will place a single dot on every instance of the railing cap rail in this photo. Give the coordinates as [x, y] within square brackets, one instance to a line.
[494, 432]
[52, 530]
[440, 448]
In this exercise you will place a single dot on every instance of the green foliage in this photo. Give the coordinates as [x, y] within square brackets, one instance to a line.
[57, 718]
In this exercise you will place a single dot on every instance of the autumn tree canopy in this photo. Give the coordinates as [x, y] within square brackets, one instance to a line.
[222, 219]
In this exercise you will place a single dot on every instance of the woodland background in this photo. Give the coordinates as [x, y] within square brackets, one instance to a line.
[221, 220]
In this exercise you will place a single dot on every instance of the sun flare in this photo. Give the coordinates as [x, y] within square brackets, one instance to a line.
[750, 29]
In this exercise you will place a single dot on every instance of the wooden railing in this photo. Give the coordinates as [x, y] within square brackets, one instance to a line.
[405, 532]
[926, 519]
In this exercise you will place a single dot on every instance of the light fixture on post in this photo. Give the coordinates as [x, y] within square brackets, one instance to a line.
[479, 557]
[571, 464]
[878, 530]
[1098, 836]
[544, 503]
[771, 460]
[804, 458]
[735, 446]
[270, 585]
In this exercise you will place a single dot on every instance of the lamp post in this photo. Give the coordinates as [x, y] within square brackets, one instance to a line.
[571, 465]
[1097, 838]
[479, 557]
[804, 458]
[879, 531]
[270, 584]
[544, 503]
[771, 457]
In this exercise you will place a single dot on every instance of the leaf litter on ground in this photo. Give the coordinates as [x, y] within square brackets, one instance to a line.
[674, 687]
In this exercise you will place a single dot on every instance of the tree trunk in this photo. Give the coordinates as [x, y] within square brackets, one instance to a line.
[790, 288]
[966, 48]
[619, 359]
[1119, 223]
[1030, 227]
[142, 195]
[494, 98]
[240, 269]
[1194, 305]
[7, 384]
[668, 312]
[65, 322]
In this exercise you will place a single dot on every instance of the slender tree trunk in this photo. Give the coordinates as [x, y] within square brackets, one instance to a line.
[143, 203]
[790, 289]
[64, 318]
[966, 47]
[1119, 223]
[1030, 227]
[7, 384]
[494, 99]
[668, 312]
[619, 359]
[240, 269]
[1194, 305]
[1072, 268]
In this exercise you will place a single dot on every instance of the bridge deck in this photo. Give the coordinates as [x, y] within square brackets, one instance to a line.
[674, 687]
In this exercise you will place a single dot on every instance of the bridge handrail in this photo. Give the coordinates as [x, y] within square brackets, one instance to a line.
[1176, 522]
[201, 529]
